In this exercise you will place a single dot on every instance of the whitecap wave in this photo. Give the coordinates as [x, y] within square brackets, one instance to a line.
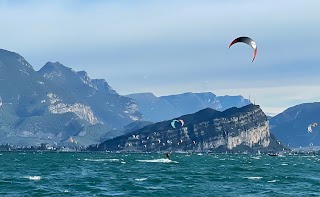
[158, 161]
[255, 157]
[284, 164]
[142, 179]
[273, 181]
[253, 177]
[155, 187]
[100, 160]
[33, 178]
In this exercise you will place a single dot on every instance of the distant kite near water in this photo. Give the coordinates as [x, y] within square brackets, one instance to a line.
[73, 141]
[247, 41]
[310, 127]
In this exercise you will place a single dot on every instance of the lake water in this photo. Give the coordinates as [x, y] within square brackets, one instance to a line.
[115, 174]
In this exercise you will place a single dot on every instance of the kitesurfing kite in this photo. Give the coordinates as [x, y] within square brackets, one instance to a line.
[310, 127]
[173, 123]
[73, 141]
[247, 41]
[182, 122]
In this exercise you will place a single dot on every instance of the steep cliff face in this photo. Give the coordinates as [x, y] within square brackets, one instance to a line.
[233, 130]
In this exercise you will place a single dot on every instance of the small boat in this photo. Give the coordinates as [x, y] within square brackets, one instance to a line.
[273, 154]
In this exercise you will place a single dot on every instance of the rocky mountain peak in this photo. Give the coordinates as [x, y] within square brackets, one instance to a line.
[14, 61]
[52, 70]
[83, 74]
[103, 86]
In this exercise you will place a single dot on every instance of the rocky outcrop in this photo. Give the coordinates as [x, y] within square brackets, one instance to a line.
[233, 130]
[98, 84]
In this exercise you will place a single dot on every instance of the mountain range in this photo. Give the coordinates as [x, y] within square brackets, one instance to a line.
[167, 107]
[57, 104]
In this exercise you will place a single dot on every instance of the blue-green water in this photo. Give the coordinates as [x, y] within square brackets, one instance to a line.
[110, 174]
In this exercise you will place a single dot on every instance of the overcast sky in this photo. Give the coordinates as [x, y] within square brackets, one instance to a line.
[176, 46]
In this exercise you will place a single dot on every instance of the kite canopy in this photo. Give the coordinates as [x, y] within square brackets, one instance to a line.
[310, 127]
[173, 123]
[182, 122]
[247, 41]
[73, 140]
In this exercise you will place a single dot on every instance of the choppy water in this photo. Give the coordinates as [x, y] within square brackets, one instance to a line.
[110, 174]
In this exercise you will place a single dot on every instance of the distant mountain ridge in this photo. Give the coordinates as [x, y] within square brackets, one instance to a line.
[167, 107]
[291, 126]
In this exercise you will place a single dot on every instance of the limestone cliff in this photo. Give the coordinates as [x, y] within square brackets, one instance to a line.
[233, 130]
